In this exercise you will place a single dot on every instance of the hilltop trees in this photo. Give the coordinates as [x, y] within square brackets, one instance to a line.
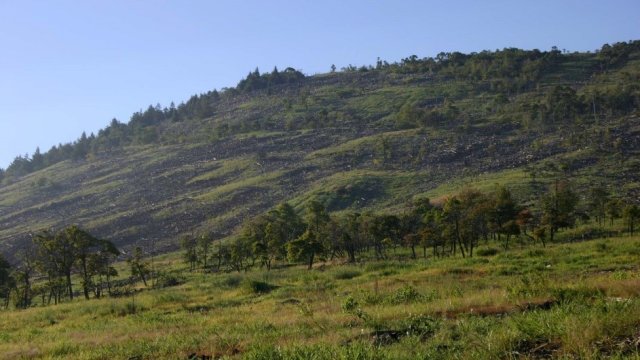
[256, 81]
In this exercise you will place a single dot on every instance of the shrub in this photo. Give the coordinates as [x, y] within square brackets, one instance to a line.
[487, 252]
[167, 280]
[405, 294]
[421, 325]
[258, 287]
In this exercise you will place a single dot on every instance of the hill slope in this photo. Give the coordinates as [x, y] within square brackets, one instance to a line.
[368, 138]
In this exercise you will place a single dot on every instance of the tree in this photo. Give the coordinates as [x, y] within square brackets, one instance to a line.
[384, 231]
[305, 248]
[83, 243]
[99, 263]
[7, 283]
[614, 209]
[352, 239]
[23, 276]
[189, 248]
[139, 267]
[57, 255]
[312, 241]
[411, 223]
[631, 214]
[288, 226]
[222, 254]
[598, 199]
[475, 207]
[239, 252]
[432, 231]
[504, 209]
[452, 214]
[273, 242]
[204, 243]
[558, 208]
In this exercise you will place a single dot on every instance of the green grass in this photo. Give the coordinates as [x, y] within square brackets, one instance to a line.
[579, 300]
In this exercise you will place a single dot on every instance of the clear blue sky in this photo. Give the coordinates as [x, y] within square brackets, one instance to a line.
[72, 66]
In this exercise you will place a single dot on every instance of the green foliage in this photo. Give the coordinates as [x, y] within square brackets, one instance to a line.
[404, 295]
[421, 325]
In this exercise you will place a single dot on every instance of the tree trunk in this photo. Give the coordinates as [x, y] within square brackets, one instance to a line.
[311, 260]
[85, 276]
[69, 286]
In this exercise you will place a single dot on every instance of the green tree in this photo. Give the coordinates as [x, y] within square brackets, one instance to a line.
[221, 254]
[83, 244]
[239, 252]
[99, 263]
[305, 248]
[23, 276]
[558, 208]
[452, 216]
[598, 199]
[7, 283]
[58, 254]
[431, 233]
[190, 253]
[203, 247]
[139, 267]
[352, 239]
[631, 214]
[614, 209]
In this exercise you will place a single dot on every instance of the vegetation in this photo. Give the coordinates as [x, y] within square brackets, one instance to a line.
[477, 205]
[576, 300]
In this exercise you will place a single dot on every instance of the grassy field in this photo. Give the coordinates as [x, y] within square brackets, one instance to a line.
[574, 301]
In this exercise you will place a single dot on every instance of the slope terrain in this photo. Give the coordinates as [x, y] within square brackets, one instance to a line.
[369, 138]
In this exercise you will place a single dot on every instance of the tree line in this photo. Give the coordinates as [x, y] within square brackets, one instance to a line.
[453, 227]
[48, 262]
[456, 226]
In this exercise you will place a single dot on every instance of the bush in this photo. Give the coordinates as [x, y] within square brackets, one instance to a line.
[167, 280]
[421, 325]
[405, 294]
[258, 287]
[487, 252]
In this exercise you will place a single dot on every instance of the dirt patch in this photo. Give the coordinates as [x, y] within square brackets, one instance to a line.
[535, 349]
[499, 310]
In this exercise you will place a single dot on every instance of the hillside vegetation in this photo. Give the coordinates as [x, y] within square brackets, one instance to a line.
[465, 206]
[368, 138]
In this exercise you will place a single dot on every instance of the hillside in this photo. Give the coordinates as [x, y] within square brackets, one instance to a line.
[370, 138]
